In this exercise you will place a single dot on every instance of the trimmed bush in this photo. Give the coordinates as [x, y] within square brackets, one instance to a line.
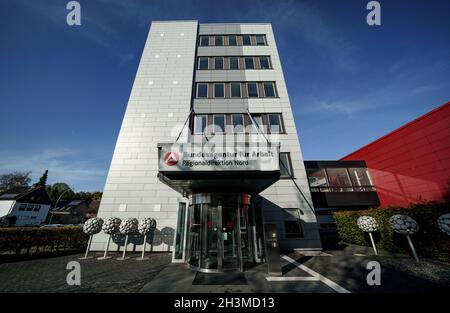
[24, 239]
[429, 242]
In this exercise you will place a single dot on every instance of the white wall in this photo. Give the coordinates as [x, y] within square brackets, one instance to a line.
[160, 99]
[5, 207]
[30, 217]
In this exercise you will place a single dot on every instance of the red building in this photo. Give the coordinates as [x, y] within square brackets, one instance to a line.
[412, 163]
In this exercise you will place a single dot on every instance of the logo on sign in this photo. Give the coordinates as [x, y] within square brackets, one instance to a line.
[171, 158]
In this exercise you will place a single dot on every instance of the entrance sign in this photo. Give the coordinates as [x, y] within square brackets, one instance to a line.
[211, 157]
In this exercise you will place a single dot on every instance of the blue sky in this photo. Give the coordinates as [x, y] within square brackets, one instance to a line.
[64, 90]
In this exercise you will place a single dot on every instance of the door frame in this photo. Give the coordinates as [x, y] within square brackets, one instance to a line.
[206, 198]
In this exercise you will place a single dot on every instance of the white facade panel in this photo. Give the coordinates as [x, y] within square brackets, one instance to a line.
[158, 105]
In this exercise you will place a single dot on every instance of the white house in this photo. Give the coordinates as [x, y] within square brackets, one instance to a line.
[25, 206]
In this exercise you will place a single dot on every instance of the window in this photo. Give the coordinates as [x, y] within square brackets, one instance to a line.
[203, 63]
[234, 63]
[219, 90]
[37, 207]
[218, 63]
[200, 123]
[235, 90]
[22, 207]
[292, 223]
[317, 177]
[275, 124]
[252, 89]
[30, 207]
[238, 123]
[218, 40]
[179, 241]
[338, 179]
[264, 63]
[232, 40]
[246, 41]
[204, 40]
[285, 165]
[202, 90]
[219, 123]
[361, 179]
[249, 63]
[269, 90]
[257, 119]
[260, 40]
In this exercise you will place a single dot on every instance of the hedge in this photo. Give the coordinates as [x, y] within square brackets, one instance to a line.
[429, 242]
[19, 239]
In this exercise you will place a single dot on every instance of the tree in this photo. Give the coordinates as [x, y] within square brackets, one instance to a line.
[43, 180]
[56, 190]
[88, 196]
[14, 179]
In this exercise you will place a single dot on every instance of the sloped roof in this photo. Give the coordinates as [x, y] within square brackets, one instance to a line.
[69, 206]
[17, 192]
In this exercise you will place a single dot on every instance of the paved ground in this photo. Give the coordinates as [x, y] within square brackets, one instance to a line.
[111, 275]
[339, 270]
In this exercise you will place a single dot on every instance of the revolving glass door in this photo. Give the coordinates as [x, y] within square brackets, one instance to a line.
[218, 236]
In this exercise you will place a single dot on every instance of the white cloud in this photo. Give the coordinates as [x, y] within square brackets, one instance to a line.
[64, 165]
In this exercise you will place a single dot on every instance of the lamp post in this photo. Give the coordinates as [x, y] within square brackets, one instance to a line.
[56, 204]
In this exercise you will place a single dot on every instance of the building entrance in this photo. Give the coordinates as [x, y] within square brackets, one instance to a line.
[221, 233]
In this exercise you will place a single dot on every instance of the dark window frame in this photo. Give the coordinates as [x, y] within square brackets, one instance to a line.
[200, 61]
[289, 165]
[249, 37]
[297, 221]
[197, 90]
[215, 40]
[224, 123]
[233, 125]
[280, 118]
[235, 40]
[200, 41]
[223, 63]
[239, 40]
[195, 124]
[229, 62]
[240, 90]
[214, 90]
[264, 39]
[269, 63]
[248, 90]
[253, 63]
[275, 94]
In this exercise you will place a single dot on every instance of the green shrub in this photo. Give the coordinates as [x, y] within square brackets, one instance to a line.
[18, 239]
[429, 242]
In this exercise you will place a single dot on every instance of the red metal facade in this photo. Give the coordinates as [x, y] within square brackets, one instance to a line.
[412, 163]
